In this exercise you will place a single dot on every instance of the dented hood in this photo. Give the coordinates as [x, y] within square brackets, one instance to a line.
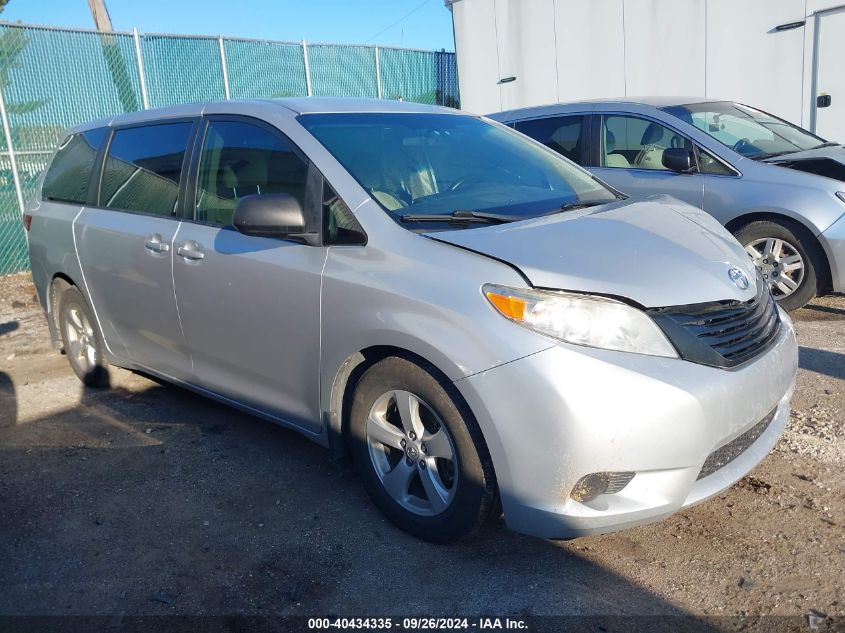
[822, 161]
[657, 252]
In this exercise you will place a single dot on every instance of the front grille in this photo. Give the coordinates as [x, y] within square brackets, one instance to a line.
[725, 454]
[723, 333]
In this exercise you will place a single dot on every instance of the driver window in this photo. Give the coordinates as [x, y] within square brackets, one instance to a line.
[241, 159]
[634, 143]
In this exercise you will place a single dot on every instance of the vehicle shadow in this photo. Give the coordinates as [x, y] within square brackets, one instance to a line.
[157, 501]
[822, 361]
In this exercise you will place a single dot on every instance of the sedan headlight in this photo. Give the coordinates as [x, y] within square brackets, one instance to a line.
[581, 319]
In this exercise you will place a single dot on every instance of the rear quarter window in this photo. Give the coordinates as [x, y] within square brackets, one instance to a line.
[70, 171]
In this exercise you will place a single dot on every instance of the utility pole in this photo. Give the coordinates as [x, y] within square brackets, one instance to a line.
[114, 56]
[101, 15]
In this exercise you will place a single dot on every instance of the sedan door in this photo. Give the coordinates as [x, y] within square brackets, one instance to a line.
[125, 245]
[250, 306]
[628, 155]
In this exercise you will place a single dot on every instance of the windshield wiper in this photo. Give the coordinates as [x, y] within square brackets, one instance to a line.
[461, 216]
[773, 154]
[827, 144]
[583, 204]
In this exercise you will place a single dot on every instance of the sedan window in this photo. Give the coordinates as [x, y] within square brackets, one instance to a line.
[635, 143]
[563, 134]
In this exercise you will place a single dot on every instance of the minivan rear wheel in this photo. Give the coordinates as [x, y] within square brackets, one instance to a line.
[83, 343]
[420, 452]
[787, 257]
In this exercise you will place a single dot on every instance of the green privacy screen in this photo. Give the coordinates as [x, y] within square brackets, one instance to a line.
[51, 79]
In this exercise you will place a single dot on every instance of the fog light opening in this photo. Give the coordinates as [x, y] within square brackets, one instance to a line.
[591, 486]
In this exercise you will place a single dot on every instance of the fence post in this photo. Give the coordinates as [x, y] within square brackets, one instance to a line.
[307, 68]
[7, 131]
[378, 74]
[225, 68]
[141, 76]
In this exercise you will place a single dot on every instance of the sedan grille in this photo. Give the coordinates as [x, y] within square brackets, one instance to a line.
[722, 334]
[724, 455]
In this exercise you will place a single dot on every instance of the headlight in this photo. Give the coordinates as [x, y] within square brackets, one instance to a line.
[581, 319]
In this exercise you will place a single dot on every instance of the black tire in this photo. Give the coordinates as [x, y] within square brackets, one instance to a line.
[473, 491]
[800, 239]
[74, 316]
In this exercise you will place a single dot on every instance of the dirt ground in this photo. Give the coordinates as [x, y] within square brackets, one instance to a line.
[147, 499]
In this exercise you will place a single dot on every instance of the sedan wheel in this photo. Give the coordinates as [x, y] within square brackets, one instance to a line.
[779, 262]
[789, 259]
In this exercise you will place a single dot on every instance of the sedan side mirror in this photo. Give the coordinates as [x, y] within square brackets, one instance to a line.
[678, 159]
[273, 215]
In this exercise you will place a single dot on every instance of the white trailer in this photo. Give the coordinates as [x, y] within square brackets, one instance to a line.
[784, 56]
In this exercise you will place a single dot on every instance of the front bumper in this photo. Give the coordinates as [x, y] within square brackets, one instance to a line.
[557, 415]
[833, 242]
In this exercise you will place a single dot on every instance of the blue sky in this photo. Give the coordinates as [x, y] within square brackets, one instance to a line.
[427, 24]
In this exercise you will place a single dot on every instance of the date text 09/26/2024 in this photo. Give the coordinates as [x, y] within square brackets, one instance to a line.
[416, 624]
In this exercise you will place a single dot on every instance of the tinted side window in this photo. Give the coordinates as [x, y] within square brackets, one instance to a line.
[143, 168]
[632, 142]
[240, 159]
[562, 134]
[69, 173]
[339, 224]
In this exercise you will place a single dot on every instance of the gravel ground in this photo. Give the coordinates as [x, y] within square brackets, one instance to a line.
[147, 499]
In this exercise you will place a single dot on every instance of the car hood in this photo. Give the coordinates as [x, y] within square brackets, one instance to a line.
[824, 161]
[657, 252]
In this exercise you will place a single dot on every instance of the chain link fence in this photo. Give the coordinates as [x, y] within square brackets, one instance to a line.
[52, 78]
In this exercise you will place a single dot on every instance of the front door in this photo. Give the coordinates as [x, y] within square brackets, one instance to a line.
[125, 246]
[631, 159]
[830, 79]
[250, 306]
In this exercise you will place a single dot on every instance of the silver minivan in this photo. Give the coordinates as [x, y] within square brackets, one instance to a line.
[483, 325]
[778, 188]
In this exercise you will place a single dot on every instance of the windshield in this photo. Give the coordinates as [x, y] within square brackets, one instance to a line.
[750, 132]
[455, 167]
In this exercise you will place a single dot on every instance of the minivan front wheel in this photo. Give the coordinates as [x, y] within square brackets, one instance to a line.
[787, 257]
[82, 341]
[420, 452]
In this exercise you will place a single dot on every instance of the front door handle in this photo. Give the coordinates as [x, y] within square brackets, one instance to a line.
[155, 244]
[190, 250]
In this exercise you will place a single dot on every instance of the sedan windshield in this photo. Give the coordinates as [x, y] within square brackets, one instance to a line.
[452, 169]
[750, 132]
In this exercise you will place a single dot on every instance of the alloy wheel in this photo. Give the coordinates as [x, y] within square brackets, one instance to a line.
[412, 452]
[780, 263]
[80, 338]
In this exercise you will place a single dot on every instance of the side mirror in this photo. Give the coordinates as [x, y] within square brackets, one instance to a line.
[678, 159]
[272, 215]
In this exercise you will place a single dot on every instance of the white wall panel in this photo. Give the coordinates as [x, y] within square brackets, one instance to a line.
[566, 50]
[526, 34]
[590, 49]
[664, 47]
[750, 62]
[475, 43]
